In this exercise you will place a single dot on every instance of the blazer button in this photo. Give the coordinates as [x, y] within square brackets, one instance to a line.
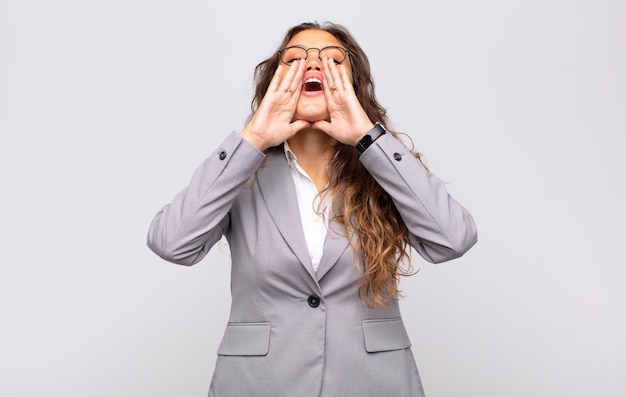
[314, 301]
[397, 156]
[222, 154]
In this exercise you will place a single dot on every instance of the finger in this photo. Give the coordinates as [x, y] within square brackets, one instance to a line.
[276, 78]
[329, 84]
[293, 77]
[336, 77]
[295, 87]
[345, 79]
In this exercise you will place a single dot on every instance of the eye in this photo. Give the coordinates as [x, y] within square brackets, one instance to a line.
[291, 54]
[292, 60]
[337, 54]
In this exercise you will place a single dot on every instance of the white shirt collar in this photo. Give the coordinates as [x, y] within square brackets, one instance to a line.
[291, 156]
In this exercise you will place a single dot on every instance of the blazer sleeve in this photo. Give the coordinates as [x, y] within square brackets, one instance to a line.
[184, 230]
[440, 228]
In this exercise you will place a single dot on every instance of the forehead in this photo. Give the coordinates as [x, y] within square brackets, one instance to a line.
[314, 38]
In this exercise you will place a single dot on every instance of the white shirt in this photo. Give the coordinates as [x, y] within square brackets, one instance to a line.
[314, 224]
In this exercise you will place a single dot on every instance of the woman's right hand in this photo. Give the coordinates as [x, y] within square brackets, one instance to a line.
[273, 122]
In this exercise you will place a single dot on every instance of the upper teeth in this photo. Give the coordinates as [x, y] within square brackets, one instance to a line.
[313, 80]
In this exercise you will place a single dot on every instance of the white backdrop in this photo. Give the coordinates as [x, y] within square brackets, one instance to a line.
[107, 107]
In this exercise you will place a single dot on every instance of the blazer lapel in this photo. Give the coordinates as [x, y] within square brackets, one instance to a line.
[334, 246]
[279, 194]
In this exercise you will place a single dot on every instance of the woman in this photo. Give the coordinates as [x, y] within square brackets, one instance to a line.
[320, 206]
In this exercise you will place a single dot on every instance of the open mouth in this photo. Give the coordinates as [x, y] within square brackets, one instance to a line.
[312, 84]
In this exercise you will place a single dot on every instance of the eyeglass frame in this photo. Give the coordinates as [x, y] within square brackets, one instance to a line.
[319, 51]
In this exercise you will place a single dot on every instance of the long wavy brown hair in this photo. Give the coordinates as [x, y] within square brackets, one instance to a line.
[359, 203]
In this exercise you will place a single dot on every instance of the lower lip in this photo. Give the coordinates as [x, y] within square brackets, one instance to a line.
[311, 93]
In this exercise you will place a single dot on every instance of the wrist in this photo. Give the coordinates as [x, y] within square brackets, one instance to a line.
[253, 139]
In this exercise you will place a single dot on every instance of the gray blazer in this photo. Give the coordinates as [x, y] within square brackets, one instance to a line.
[292, 331]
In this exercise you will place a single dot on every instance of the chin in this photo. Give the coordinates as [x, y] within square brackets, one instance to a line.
[312, 117]
[312, 110]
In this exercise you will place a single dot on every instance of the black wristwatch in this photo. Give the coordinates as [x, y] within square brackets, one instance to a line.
[370, 137]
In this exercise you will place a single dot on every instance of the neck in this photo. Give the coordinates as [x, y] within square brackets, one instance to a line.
[314, 150]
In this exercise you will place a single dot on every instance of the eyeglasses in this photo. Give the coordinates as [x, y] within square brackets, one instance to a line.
[293, 53]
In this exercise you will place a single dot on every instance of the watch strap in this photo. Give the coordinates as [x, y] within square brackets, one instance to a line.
[370, 137]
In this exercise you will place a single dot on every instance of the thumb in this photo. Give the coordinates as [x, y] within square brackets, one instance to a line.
[323, 125]
[297, 125]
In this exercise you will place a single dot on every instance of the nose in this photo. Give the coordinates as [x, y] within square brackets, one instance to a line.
[313, 62]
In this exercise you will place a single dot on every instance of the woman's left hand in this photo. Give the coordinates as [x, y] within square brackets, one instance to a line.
[348, 120]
